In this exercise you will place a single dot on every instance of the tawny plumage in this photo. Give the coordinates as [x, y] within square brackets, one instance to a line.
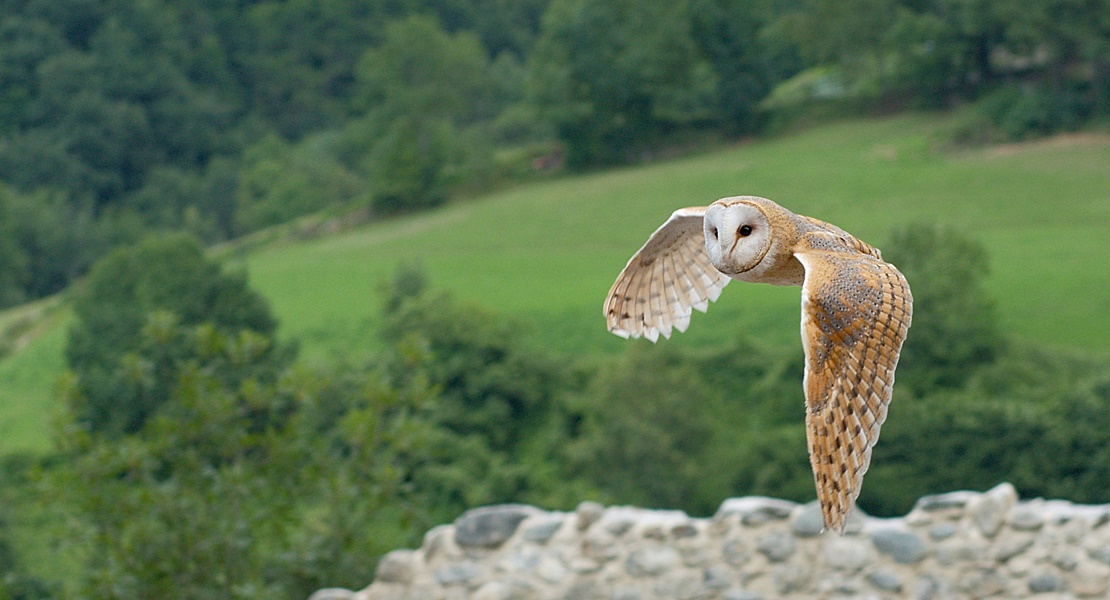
[856, 310]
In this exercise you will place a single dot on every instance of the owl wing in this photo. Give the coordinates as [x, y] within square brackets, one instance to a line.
[664, 280]
[856, 310]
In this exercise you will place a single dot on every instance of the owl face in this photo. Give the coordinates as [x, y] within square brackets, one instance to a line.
[737, 236]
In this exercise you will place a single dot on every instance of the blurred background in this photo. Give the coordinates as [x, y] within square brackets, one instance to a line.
[286, 283]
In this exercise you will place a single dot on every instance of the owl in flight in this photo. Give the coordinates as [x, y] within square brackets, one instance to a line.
[856, 310]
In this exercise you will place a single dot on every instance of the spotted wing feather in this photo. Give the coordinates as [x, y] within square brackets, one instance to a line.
[856, 310]
[670, 275]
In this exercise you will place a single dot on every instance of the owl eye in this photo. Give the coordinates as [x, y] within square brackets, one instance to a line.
[745, 230]
[713, 232]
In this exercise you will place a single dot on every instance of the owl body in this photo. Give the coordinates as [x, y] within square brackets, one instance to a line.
[856, 311]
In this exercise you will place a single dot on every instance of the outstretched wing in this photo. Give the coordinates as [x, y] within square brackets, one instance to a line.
[856, 310]
[664, 280]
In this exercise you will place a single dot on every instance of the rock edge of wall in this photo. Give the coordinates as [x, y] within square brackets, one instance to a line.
[955, 545]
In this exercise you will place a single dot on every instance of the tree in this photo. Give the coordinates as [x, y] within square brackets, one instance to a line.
[954, 331]
[421, 91]
[248, 485]
[613, 77]
[122, 348]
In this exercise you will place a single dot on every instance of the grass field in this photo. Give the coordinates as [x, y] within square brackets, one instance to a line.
[549, 251]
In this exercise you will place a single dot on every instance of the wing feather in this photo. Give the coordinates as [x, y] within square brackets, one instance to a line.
[670, 275]
[856, 310]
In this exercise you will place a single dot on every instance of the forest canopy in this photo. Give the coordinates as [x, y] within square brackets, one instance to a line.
[222, 117]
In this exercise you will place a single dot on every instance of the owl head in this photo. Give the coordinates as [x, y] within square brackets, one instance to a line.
[738, 234]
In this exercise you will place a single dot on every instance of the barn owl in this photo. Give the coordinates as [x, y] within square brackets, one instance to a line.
[856, 311]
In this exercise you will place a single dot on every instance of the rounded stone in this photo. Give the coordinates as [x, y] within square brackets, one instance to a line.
[982, 582]
[1026, 518]
[990, 510]
[543, 531]
[790, 579]
[332, 594]
[1045, 582]
[942, 531]
[647, 562]
[1089, 581]
[716, 578]
[902, 545]
[490, 526]
[395, 567]
[808, 521]
[777, 546]
[589, 513]
[741, 595]
[846, 554]
[457, 573]
[735, 553]
[885, 580]
[756, 510]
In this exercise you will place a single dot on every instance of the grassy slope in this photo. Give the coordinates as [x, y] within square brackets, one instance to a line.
[550, 250]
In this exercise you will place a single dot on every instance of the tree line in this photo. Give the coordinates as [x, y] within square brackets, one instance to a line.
[221, 117]
[197, 457]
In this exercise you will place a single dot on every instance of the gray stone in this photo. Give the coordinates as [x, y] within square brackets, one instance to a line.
[902, 545]
[958, 550]
[716, 578]
[332, 594]
[585, 589]
[600, 548]
[1026, 518]
[808, 522]
[457, 573]
[589, 513]
[949, 501]
[885, 580]
[790, 578]
[990, 510]
[1101, 554]
[982, 583]
[942, 531]
[683, 588]
[626, 593]
[741, 595]
[1089, 581]
[647, 562]
[490, 526]
[1045, 582]
[846, 554]
[512, 589]
[777, 546]
[619, 526]
[735, 553]
[1066, 559]
[395, 567]
[543, 531]
[1008, 548]
[932, 587]
[684, 530]
[756, 510]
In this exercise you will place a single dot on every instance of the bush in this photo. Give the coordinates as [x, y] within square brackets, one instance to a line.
[1033, 111]
[125, 346]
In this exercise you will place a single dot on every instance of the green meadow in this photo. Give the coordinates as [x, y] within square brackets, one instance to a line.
[546, 252]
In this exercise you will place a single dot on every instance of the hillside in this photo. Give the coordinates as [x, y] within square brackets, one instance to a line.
[548, 251]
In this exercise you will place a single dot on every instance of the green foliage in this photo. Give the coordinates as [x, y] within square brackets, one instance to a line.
[613, 76]
[249, 486]
[125, 347]
[422, 88]
[1033, 418]
[1037, 111]
[954, 331]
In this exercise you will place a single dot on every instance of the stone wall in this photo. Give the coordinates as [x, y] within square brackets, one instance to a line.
[956, 545]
